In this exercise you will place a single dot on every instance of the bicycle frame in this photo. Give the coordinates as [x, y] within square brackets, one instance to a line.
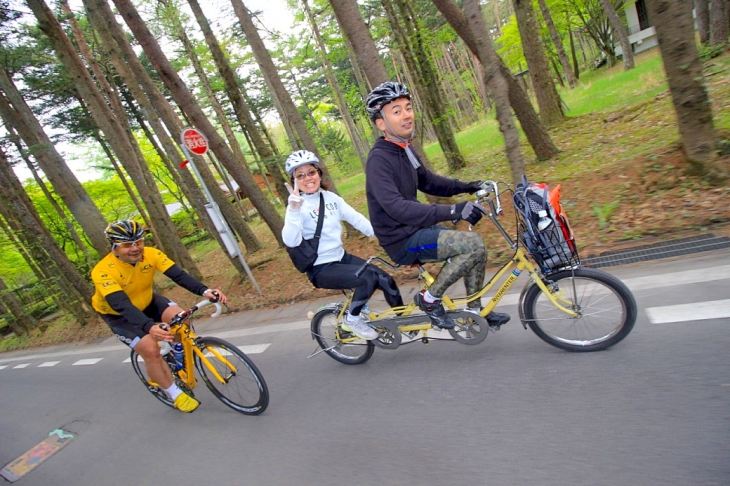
[183, 332]
[519, 262]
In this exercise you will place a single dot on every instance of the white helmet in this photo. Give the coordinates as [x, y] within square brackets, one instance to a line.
[298, 159]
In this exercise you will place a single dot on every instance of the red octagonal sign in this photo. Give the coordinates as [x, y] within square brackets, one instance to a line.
[195, 141]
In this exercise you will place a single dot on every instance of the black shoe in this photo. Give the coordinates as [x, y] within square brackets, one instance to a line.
[435, 311]
[496, 319]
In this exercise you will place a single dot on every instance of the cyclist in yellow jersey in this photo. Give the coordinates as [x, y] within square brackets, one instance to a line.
[125, 300]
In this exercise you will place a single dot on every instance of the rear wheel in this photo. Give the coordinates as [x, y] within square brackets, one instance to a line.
[231, 376]
[155, 389]
[605, 306]
[341, 345]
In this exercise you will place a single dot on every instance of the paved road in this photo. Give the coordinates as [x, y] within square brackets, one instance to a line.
[653, 410]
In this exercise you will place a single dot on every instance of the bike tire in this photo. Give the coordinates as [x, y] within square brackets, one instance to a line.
[325, 328]
[156, 390]
[244, 390]
[606, 307]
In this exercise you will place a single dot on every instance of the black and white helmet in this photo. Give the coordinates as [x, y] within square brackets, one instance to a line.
[124, 231]
[383, 94]
[298, 159]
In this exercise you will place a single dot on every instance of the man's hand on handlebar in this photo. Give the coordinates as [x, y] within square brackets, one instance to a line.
[468, 211]
[161, 332]
[215, 295]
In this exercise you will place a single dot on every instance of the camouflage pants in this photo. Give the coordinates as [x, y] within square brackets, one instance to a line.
[465, 255]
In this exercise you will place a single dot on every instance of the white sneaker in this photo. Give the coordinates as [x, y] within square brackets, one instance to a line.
[357, 326]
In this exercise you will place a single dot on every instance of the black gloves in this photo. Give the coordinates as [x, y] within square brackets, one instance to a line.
[473, 187]
[468, 211]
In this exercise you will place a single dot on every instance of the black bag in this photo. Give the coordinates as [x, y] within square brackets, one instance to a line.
[304, 255]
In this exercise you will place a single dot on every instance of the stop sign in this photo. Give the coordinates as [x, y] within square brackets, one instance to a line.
[195, 141]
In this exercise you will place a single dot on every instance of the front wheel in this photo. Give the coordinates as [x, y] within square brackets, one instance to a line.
[154, 388]
[231, 376]
[605, 306]
[341, 345]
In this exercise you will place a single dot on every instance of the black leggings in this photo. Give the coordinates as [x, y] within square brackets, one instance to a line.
[341, 275]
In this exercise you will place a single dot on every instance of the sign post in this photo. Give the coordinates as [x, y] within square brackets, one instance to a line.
[193, 140]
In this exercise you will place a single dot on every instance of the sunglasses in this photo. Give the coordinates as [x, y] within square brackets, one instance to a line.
[304, 175]
[130, 244]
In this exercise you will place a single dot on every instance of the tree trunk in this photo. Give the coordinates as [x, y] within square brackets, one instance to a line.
[557, 41]
[189, 105]
[233, 90]
[70, 228]
[152, 97]
[702, 16]
[278, 90]
[361, 149]
[18, 320]
[719, 23]
[115, 132]
[551, 108]
[16, 113]
[351, 22]
[675, 32]
[621, 33]
[534, 130]
[16, 207]
[420, 65]
[497, 86]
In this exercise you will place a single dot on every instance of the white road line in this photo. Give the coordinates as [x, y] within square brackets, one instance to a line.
[48, 364]
[3, 367]
[248, 349]
[24, 365]
[720, 272]
[697, 311]
[88, 361]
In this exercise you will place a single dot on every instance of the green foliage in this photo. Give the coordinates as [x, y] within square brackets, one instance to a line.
[708, 51]
[603, 212]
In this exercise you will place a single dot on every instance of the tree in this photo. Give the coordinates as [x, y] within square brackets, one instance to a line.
[702, 14]
[190, 106]
[620, 30]
[719, 23]
[548, 99]
[555, 36]
[16, 113]
[233, 90]
[675, 32]
[116, 132]
[56, 271]
[534, 130]
[414, 50]
[276, 86]
[359, 144]
[105, 21]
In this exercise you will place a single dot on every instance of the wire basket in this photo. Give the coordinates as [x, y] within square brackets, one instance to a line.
[551, 249]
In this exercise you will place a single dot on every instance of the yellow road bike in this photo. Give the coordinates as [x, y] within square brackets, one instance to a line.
[229, 374]
[567, 305]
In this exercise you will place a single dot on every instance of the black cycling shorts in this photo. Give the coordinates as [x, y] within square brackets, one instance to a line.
[127, 332]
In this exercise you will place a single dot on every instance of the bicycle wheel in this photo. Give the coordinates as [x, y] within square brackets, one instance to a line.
[325, 330]
[243, 387]
[156, 390]
[470, 330]
[606, 310]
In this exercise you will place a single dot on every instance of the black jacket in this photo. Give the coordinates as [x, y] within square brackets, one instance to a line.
[391, 187]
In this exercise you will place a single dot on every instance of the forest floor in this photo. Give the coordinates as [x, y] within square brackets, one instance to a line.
[623, 184]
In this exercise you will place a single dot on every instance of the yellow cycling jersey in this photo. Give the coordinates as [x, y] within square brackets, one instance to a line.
[112, 275]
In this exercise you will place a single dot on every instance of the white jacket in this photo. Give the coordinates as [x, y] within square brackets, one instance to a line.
[301, 224]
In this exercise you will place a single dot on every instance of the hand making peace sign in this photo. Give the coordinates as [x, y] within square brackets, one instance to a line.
[295, 200]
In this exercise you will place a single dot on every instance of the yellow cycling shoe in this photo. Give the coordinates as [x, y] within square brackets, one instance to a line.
[186, 403]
